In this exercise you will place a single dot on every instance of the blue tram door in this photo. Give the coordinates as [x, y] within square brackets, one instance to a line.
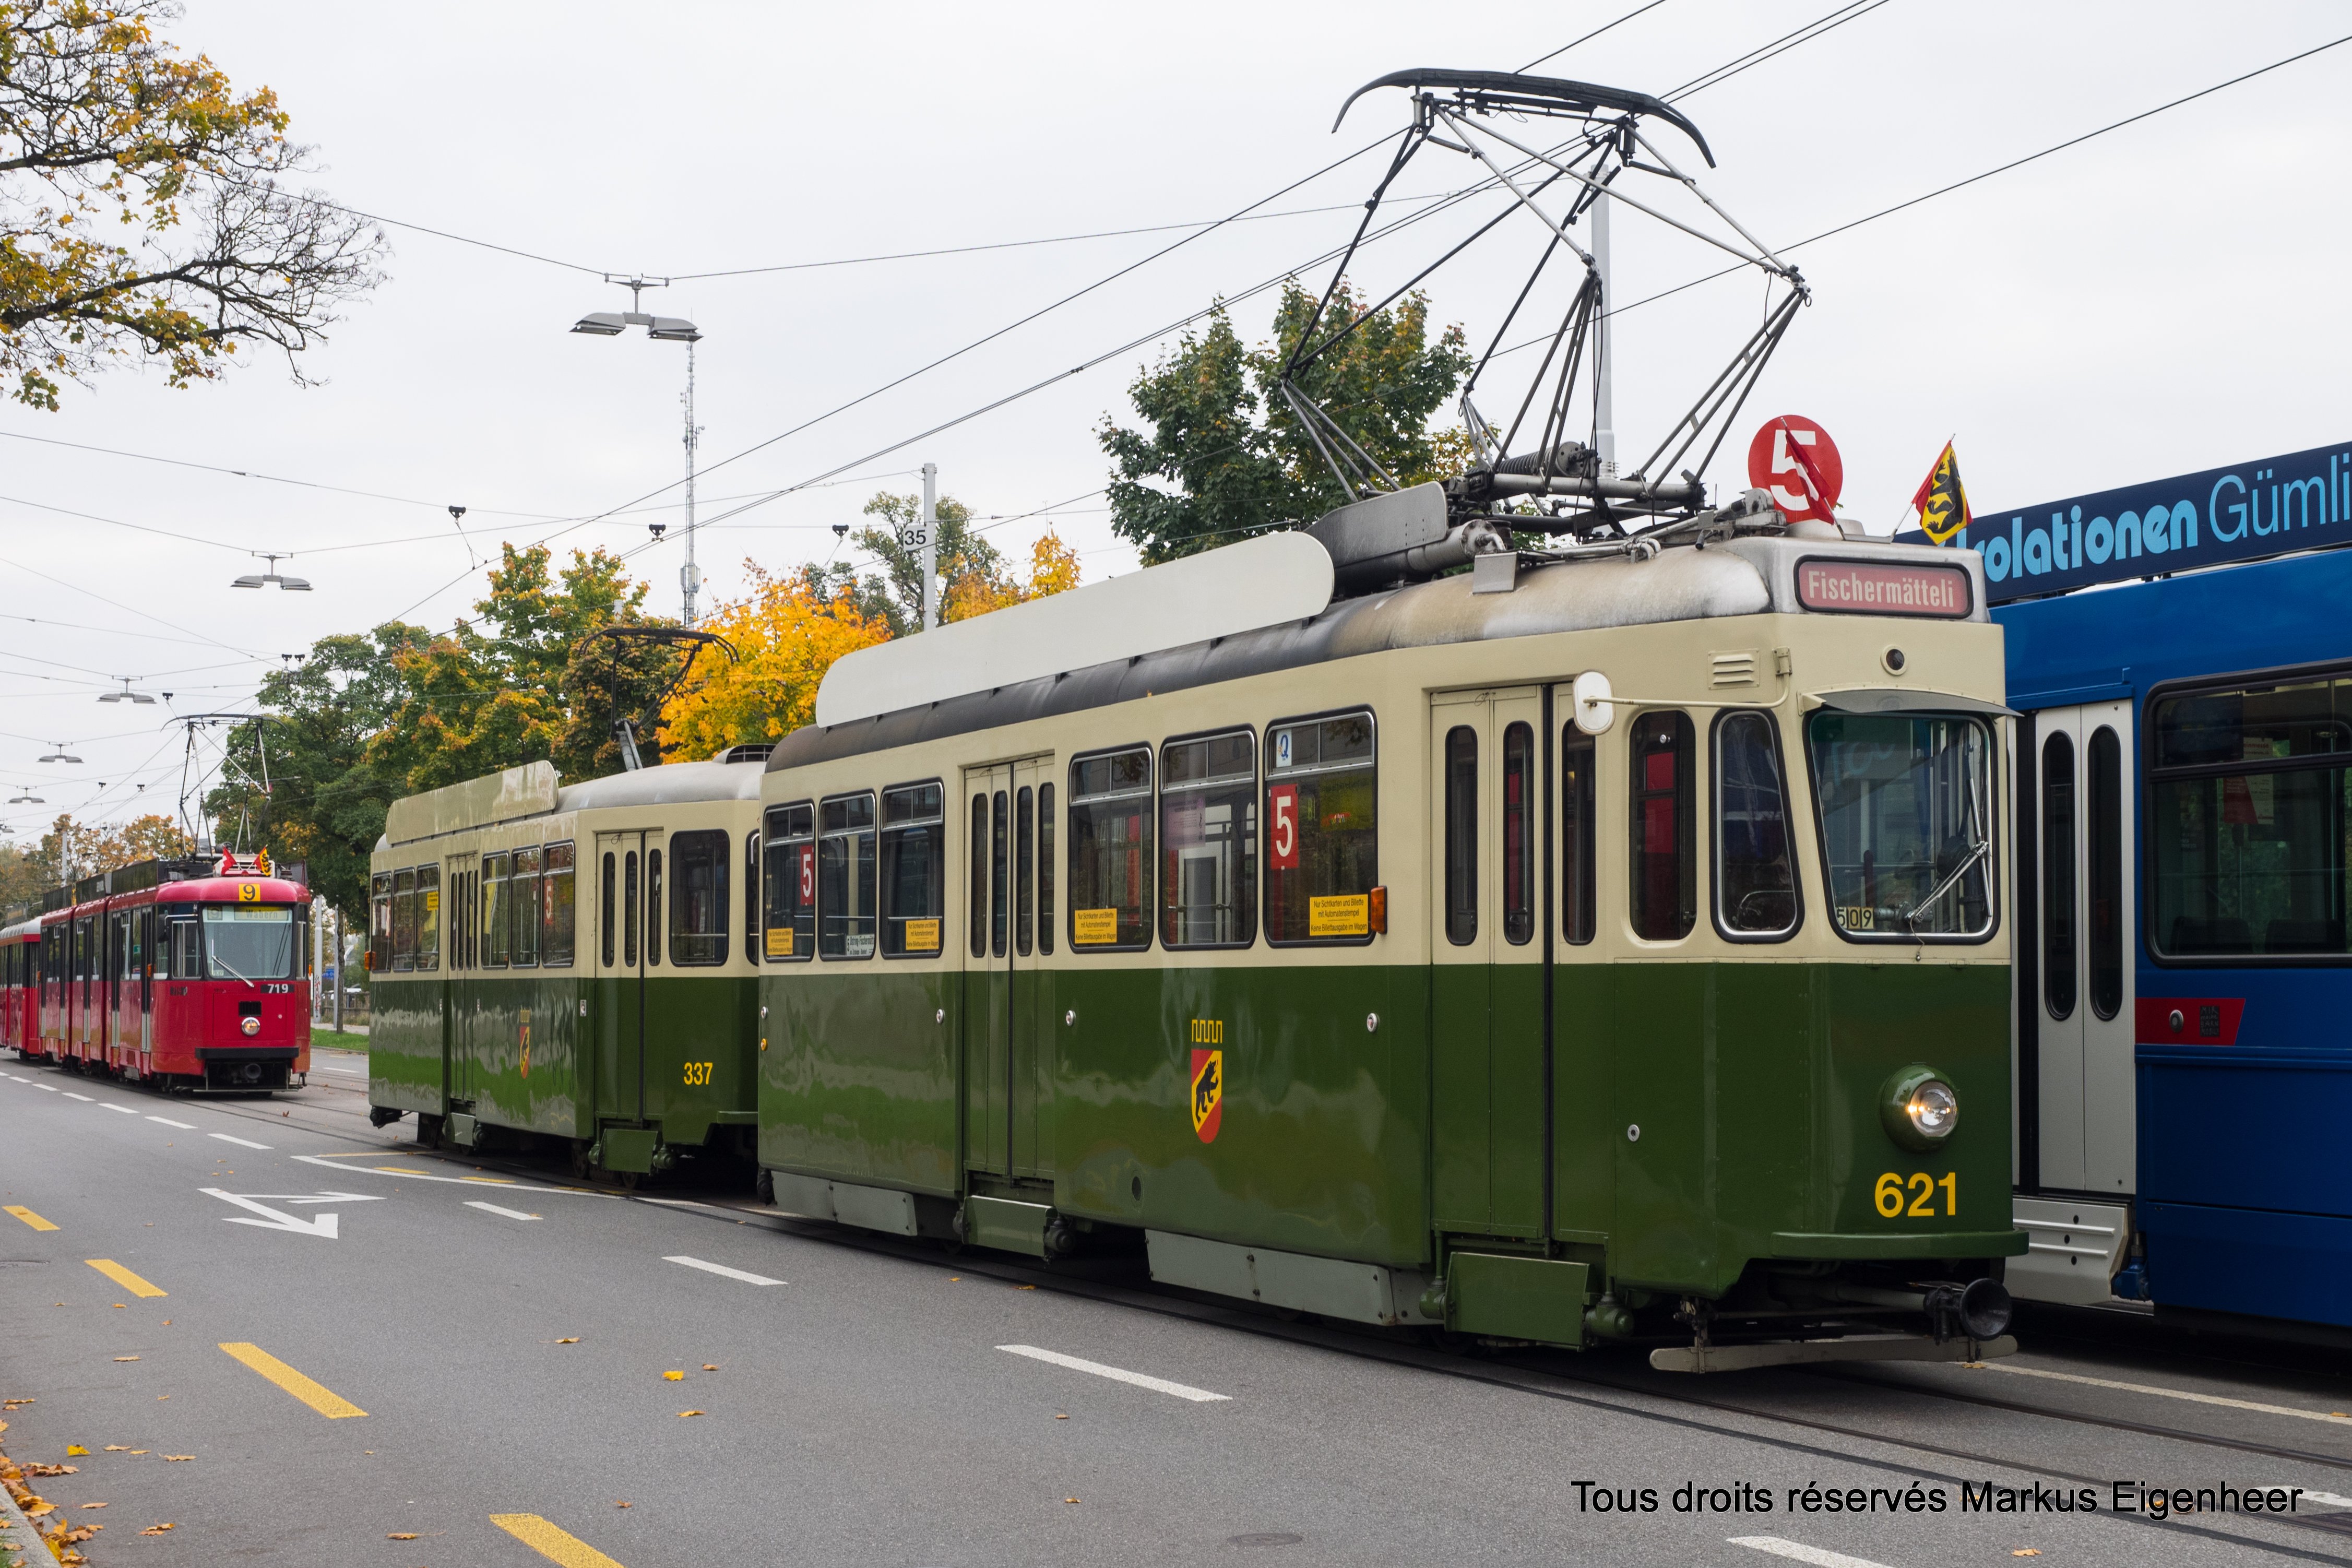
[2078, 1112]
[1008, 820]
[1487, 963]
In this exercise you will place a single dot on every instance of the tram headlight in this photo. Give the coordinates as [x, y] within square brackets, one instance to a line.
[1920, 1108]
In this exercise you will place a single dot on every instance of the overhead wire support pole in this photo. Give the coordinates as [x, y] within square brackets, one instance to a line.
[931, 523]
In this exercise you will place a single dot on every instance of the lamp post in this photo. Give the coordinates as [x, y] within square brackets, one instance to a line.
[667, 330]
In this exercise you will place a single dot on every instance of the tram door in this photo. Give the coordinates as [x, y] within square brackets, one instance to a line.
[2086, 900]
[1008, 824]
[624, 872]
[1488, 1021]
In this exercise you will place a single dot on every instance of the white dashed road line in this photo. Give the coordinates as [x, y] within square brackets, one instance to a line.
[240, 1142]
[183, 1126]
[83, 1098]
[722, 1270]
[2332, 1418]
[1117, 1375]
[124, 1109]
[1803, 1553]
[493, 1209]
[51, 1086]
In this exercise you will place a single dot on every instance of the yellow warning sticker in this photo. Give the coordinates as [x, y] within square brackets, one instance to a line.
[1094, 927]
[1346, 914]
[780, 941]
[922, 936]
[432, 900]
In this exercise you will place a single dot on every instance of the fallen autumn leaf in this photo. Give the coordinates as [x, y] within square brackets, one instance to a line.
[402, 1535]
[675, 1376]
[684, 1414]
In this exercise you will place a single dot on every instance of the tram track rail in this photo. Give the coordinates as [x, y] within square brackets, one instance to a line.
[1581, 1388]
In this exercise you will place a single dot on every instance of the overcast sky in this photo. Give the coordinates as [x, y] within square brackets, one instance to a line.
[2153, 302]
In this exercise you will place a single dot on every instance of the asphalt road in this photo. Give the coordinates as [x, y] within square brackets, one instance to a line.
[374, 1343]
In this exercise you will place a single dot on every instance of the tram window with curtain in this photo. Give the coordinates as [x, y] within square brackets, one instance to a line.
[699, 863]
[498, 919]
[429, 918]
[1110, 850]
[652, 906]
[1666, 862]
[1000, 881]
[1518, 837]
[2059, 978]
[1461, 835]
[2250, 805]
[844, 877]
[979, 879]
[523, 907]
[789, 935]
[1045, 869]
[558, 911]
[914, 870]
[605, 923]
[1025, 871]
[2106, 855]
[403, 922]
[1208, 841]
[1755, 871]
[379, 922]
[1322, 830]
[1578, 838]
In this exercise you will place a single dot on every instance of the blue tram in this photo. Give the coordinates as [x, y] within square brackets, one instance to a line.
[2183, 864]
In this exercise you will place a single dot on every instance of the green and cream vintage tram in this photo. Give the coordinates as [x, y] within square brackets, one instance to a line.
[1599, 947]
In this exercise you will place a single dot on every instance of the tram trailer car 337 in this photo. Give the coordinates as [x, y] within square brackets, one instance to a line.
[2182, 805]
[191, 975]
[568, 964]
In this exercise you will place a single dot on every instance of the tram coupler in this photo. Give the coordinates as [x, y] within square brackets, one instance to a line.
[1978, 1309]
[383, 1115]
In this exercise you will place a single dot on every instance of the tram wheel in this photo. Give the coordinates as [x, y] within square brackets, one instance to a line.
[582, 1167]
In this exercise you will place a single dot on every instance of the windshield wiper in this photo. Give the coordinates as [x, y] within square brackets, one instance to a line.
[224, 963]
[1976, 853]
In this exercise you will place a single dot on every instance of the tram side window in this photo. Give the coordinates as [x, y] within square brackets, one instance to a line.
[914, 870]
[523, 907]
[999, 883]
[404, 921]
[498, 919]
[750, 896]
[1665, 868]
[1025, 871]
[185, 940]
[558, 907]
[844, 877]
[978, 883]
[698, 906]
[604, 921]
[1045, 864]
[791, 920]
[652, 906]
[1518, 837]
[2251, 803]
[1578, 837]
[1755, 872]
[2059, 978]
[1322, 858]
[1110, 850]
[429, 918]
[2106, 847]
[379, 922]
[1208, 841]
[1461, 835]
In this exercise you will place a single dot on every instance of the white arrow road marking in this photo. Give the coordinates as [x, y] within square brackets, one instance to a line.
[493, 1209]
[318, 1225]
[721, 1268]
[1812, 1554]
[1117, 1375]
[342, 1170]
[240, 1142]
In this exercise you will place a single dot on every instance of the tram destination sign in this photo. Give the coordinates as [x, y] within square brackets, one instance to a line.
[2274, 506]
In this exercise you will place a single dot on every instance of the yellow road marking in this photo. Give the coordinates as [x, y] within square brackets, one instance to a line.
[326, 1402]
[491, 1180]
[123, 1276]
[29, 1217]
[551, 1542]
[403, 1171]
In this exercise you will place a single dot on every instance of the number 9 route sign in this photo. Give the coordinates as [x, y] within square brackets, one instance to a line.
[1796, 461]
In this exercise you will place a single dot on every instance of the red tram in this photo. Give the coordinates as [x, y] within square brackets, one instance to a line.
[192, 974]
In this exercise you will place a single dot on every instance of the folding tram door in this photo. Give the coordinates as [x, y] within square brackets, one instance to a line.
[1489, 958]
[617, 1028]
[2083, 1113]
[1007, 811]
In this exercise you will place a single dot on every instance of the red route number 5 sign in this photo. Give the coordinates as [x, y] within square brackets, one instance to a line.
[1794, 458]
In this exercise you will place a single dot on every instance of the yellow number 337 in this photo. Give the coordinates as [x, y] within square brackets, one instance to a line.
[699, 1072]
[1889, 1195]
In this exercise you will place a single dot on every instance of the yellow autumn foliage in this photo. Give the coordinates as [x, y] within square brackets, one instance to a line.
[787, 635]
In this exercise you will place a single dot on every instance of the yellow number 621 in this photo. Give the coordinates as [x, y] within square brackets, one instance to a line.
[1889, 1195]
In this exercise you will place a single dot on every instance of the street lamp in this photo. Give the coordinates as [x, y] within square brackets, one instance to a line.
[285, 584]
[127, 695]
[27, 800]
[60, 755]
[665, 330]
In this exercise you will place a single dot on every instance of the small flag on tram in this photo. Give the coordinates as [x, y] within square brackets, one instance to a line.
[1942, 501]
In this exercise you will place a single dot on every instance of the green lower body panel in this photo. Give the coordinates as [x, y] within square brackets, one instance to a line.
[1007, 1226]
[1509, 1297]
[1328, 1287]
[1927, 1244]
[630, 1149]
[869, 1208]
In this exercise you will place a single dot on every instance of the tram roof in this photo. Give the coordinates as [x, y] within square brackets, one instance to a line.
[1738, 578]
[531, 790]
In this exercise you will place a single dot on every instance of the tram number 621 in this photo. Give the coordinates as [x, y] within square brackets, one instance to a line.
[1891, 1196]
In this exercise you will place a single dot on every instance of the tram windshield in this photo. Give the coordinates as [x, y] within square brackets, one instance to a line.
[1907, 823]
[250, 943]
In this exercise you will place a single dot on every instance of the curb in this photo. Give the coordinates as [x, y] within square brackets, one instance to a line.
[21, 1546]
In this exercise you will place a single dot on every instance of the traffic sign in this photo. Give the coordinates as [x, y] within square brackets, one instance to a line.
[1795, 459]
